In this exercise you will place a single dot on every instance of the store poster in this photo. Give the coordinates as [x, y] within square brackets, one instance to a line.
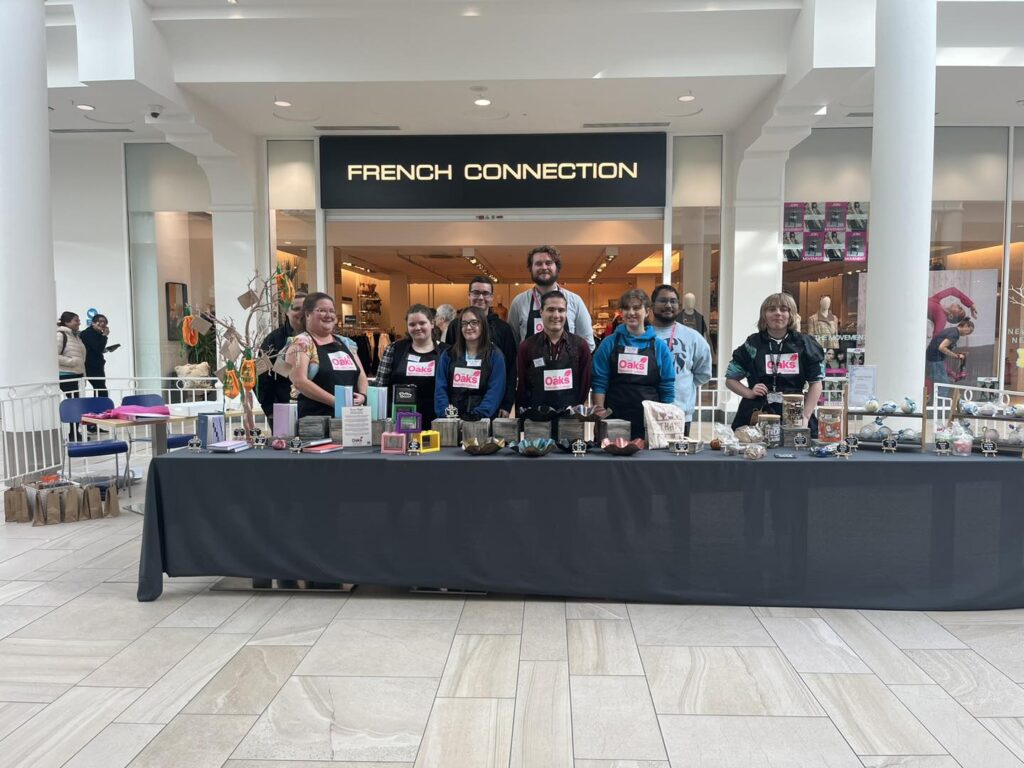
[965, 293]
[825, 231]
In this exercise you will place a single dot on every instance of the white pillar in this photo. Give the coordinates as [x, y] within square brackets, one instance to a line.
[901, 194]
[28, 290]
[234, 260]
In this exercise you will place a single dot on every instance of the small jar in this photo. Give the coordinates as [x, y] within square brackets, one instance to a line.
[963, 445]
[771, 428]
[830, 425]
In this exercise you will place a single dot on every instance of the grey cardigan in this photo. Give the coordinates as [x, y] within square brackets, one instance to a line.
[578, 316]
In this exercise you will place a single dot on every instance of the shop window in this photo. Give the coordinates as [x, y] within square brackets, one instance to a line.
[1013, 360]
[292, 196]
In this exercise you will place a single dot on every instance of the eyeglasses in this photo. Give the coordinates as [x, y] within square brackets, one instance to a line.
[669, 302]
[480, 294]
[471, 324]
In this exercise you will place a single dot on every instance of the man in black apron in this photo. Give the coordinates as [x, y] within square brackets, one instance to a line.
[554, 366]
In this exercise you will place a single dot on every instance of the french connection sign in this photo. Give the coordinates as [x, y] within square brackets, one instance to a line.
[564, 170]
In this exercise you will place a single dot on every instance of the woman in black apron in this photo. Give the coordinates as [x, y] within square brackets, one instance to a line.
[633, 365]
[777, 360]
[322, 361]
[413, 360]
[470, 374]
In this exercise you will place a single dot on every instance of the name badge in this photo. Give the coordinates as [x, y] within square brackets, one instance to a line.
[341, 361]
[789, 364]
[633, 365]
[538, 325]
[474, 363]
[775, 397]
[466, 378]
[416, 368]
[538, 362]
[631, 350]
[558, 380]
[413, 358]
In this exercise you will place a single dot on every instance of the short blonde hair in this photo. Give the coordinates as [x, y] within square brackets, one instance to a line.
[783, 300]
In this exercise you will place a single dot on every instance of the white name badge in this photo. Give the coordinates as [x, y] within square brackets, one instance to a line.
[413, 358]
[416, 368]
[789, 364]
[341, 361]
[631, 350]
[558, 380]
[474, 363]
[538, 362]
[466, 378]
[633, 365]
[538, 326]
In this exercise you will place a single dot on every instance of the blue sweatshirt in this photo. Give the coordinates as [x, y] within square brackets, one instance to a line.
[487, 409]
[603, 361]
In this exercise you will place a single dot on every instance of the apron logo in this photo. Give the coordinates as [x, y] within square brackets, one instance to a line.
[789, 364]
[633, 365]
[558, 380]
[340, 361]
[420, 369]
[466, 378]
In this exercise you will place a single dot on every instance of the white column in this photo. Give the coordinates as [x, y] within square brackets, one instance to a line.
[146, 283]
[234, 260]
[901, 194]
[28, 290]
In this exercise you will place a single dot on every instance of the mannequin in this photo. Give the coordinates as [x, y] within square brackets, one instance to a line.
[823, 325]
[690, 317]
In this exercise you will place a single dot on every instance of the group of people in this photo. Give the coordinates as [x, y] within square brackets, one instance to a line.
[82, 355]
[542, 359]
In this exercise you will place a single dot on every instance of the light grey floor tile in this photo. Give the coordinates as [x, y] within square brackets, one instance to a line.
[205, 610]
[65, 662]
[892, 665]
[544, 631]
[247, 683]
[481, 666]
[79, 558]
[961, 735]
[696, 625]
[613, 719]
[173, 691]
[311, 764]
[871, 718]
[595, 610]
[491, 617]
[542, 733]
[725, 681]
[381, 648]
[251, 617]
[598, 647]
[980, 688]
[33, 693]
[146, 660]
[13, 547]
[782, 612]
[999, 644]
[342, 718]
[115, 746]
[622, 764]
[124, 556]
[1010, 731]
[912, 630]
[196, 741]
[9, 590]
[13, 714]
[300, 621]
[1014, 616]
[410, 607]
[755, 742]
[915, 761]
[15, 617]
[812, 646]
[23, 565]
[463, 733]
[56, 733]
[53, 593]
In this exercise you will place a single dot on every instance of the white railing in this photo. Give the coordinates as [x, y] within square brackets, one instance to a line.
[945, 396]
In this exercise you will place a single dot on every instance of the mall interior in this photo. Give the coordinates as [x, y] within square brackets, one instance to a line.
[864, 609]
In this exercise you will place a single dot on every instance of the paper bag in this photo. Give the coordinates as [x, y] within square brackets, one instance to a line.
[112, 507]
[16, 505]
[71, 505]
[47, 508]
[262, 365]
[92, 503]
[282, 367]
[664, 422]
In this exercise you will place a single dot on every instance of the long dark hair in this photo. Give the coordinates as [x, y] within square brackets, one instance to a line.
[484, 345]
[65, 318]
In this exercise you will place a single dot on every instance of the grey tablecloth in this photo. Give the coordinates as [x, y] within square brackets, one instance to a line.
[909, 531]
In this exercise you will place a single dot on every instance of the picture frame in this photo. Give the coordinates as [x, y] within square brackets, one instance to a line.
[176, 297]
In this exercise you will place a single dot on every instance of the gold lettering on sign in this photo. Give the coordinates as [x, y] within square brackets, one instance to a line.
[565, 171]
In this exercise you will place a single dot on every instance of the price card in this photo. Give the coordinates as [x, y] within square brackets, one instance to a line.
[356, 427]
[862, 382]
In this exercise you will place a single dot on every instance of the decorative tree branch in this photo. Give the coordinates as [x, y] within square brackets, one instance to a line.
[1017, 295]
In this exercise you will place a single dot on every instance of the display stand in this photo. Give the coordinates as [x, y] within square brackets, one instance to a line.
[859, 413]
[1001, 399]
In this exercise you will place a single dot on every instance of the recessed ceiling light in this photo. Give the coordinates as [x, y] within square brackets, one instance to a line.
[85, 107]
[282, 103]
[287, 242]
[232, 2]
[687, 97]
[822, 112]
[471, 12]
[482, 102]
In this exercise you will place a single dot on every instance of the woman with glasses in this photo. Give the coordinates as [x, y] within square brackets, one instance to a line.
[413, 360]
[321, 360]
[471, 374]
[633, 365]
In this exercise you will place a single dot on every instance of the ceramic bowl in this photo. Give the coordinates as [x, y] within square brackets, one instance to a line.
[540, 447]
[475, 448]
[620, 447]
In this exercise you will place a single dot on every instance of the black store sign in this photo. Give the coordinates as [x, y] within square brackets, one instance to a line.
[564, 170]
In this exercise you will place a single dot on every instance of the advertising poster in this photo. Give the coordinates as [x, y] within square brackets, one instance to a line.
[813, 250]
[825, 231]
[793, 246]
[793, 217]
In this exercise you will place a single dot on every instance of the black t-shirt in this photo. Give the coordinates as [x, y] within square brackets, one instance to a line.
[934, 355]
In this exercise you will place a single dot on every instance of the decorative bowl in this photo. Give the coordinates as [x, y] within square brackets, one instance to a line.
[540, 447]
[474, 447]
[621, 447]
[588, 413]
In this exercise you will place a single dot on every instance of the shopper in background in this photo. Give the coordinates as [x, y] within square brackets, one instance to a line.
[633, 365]
[94, 338]
[501, 311]
[471, 373]
[545, 264]
[553, 366]
[481, 295]
[690, 352]
[777, 360]
[272, 387]
[70, 360]
[413, 360]
[321, 360]
[443, 317]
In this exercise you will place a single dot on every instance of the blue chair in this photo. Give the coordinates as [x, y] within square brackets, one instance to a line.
[71, 411]
[148, 401]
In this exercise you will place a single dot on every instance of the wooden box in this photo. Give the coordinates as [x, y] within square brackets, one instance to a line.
[449, 431]
[481, 430]
[536, 430]
[505, 429]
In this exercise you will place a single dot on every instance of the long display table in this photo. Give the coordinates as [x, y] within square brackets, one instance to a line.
[907, 531]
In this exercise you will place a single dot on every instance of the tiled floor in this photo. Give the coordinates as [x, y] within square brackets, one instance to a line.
[90, 678]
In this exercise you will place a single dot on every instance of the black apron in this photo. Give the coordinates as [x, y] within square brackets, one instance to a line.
[467, 384]
[771, 362]
[634, 378]
[339, 370]
[533, 321]
[418, 369]
[556, 382]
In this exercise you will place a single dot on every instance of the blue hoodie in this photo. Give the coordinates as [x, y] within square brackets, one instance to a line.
[666, 366]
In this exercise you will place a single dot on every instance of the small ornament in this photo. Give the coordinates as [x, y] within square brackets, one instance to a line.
[988, 448]
[909, 406]
[259, 440]
[239, 433]
[854, 443]
[871, 406]
[278, 443]
[295, 445]
[579, 448]
[843, 449]
[680, 447]
[451, 412]
[889, 444]
[195, 445]
[800, 442]
[413, 448]
[943, 446]
[255, 432]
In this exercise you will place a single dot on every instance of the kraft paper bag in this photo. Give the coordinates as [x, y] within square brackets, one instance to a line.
[113, 506]
[92, 503]
[71, 505]
[16, 505]
[47, 508]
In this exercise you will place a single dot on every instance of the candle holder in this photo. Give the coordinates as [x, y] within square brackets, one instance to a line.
[195, 445]
[451, 412]
[579, 448]
[260, 440]
[295, 445]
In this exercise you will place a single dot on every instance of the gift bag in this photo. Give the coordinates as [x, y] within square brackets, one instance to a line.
[664, 422]
[16, 505]
[112, 508]
[92, 503]
[71, 505]
[47, 509]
